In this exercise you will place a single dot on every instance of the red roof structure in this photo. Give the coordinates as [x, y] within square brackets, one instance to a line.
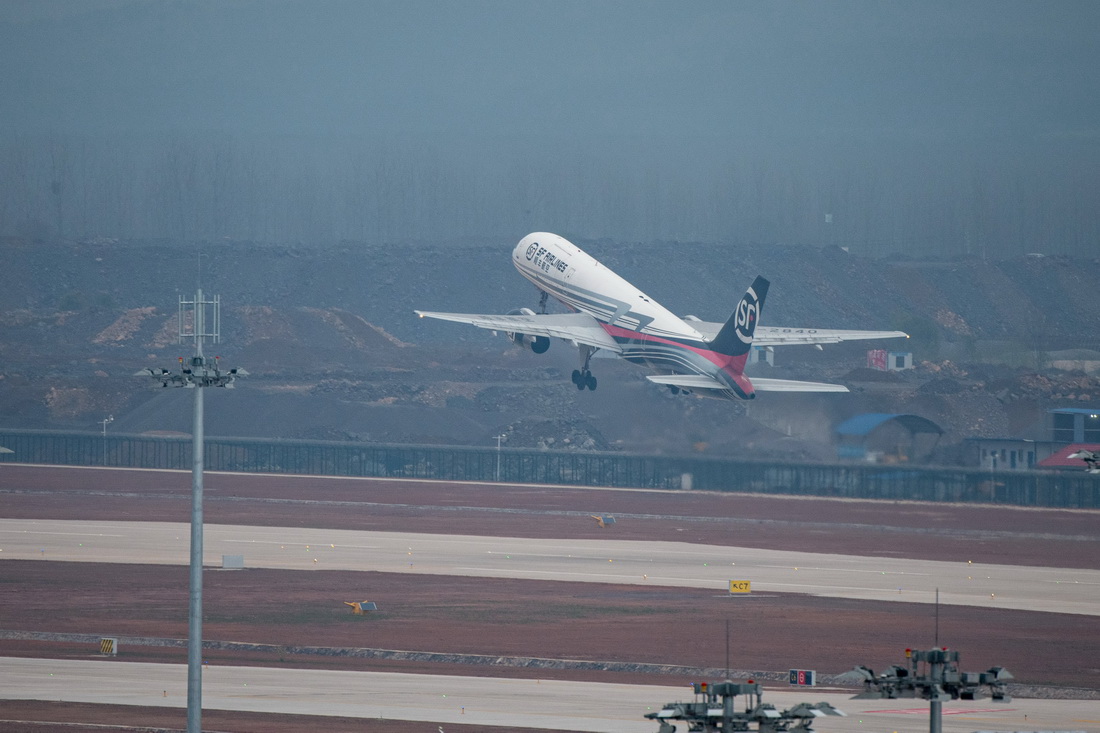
[1060, 458]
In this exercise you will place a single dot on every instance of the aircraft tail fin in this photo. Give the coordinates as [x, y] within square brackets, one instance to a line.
[735, 338]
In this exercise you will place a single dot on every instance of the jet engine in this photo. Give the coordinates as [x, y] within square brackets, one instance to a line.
[537, 344]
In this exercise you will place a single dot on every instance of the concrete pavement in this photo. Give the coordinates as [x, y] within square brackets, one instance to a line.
[1053, 590]
[443, 699]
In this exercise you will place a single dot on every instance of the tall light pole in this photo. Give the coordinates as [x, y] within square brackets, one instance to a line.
[109, 418]
[197, 373]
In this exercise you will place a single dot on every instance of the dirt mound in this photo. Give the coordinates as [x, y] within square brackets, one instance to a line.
[326, 334]
[864, 374]
[310, 338]
[942, 385]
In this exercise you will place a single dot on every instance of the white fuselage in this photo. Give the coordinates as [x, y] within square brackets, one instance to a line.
[558, 267]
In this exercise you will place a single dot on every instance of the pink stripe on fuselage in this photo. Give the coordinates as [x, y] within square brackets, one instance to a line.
[733, 366]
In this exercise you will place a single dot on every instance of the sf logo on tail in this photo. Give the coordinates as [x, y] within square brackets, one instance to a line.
[747, 310]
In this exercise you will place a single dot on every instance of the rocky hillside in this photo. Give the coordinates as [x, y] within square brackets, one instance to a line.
[335, 351]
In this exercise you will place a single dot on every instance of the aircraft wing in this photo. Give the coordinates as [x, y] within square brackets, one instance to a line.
[578, 327]
[782, 336]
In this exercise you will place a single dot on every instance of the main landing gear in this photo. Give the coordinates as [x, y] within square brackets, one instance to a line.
[582, 377]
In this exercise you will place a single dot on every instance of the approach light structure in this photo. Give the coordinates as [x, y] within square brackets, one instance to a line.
[932, 675]
[714, 710]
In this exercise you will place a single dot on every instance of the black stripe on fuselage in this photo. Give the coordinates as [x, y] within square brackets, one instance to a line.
[677, 357]
[683, 361]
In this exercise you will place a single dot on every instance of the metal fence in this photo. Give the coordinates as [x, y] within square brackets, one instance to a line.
[1072, 490]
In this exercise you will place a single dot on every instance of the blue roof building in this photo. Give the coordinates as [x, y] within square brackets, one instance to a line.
[887, 437]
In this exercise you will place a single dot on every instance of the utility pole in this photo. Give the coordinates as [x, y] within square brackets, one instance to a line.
[197, 373]
[499, 438]
[109, 418]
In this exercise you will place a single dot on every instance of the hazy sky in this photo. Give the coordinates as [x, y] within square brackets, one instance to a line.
[952, 126]
[676, 75]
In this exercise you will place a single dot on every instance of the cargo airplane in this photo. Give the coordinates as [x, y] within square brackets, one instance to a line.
[610, 314]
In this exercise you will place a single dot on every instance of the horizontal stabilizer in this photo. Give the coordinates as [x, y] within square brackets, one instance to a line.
[686, 381]
[790, 385]
[775, 336]
[783, 336]
[699, 381]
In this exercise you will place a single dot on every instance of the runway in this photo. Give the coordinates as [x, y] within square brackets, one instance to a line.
[640, 563]
[441, 699]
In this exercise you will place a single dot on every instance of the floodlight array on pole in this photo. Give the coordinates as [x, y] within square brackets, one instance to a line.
[196, 373]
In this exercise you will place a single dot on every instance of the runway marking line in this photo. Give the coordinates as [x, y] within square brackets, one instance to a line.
[66, 534]
[924, 711]
[842, 570]
[586, 575]
[301, 544]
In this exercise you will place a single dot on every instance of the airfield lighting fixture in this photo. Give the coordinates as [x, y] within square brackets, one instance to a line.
[713, 709]
[199, 320]
[932, 675]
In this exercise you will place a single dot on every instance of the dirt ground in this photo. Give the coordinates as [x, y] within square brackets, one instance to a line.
[32, 716]
[769, 632]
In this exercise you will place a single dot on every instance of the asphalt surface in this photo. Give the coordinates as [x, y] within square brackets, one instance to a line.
[442, 700]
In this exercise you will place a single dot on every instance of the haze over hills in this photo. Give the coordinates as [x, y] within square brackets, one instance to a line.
[327, 166]
[336, 352]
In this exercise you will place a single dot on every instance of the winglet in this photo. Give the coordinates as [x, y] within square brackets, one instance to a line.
[735, 338]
